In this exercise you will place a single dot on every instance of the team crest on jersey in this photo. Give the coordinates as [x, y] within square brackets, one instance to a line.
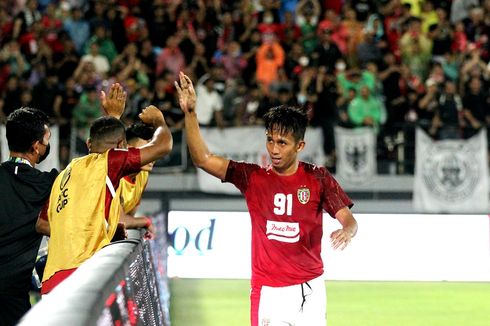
[303, 195]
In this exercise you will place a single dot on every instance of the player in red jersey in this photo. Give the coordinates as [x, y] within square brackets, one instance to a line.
[285, 201]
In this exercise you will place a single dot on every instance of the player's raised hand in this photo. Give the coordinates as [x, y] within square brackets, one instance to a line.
[151, 115]
[187, 94]
[115, 102]
[340, 239]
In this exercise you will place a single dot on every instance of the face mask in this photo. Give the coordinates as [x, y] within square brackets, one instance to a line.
[268, 19]
[340, 66]
[46, 153]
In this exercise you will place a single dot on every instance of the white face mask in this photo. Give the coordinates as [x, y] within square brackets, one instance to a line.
[340, 66]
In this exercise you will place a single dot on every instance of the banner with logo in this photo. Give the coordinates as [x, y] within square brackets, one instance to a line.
[451, 175]
[52, 161]
[248, 144]
[356, 154]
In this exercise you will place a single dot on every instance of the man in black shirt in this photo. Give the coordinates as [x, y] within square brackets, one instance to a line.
[23, 192]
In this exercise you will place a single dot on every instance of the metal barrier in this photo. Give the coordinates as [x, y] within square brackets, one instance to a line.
[117, 286]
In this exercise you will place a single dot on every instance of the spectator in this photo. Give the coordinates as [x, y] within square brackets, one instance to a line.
[327, 52]
[476, 107]
[253, 107]
[365, 110]
[64, 104]
[232, 60]
[233, 99]
[105, 45]
[97, 17]
[368, 49]
[363, 8]
[116, 26]
[427, 105]
[67, 62]
[343, 103]
[26, 18]
[340, 32]
[326, 114]
[416, 49]
[354, 27]
[209, 105]
[100, 62]
[77, 28]
[270, 58]
[308, 12]
[460, 9]
[86, 111]
[288, 32]
[11, 55]
[11, 97]
[448, 119]
[170, 58]
[199, 64]
[44, 93]
[161, 25]
[428, 15]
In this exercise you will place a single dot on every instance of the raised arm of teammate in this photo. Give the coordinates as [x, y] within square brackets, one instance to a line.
[114, 102]
[200, 154]
[162, 142]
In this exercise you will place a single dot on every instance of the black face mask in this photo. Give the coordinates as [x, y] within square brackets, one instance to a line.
[46, 153]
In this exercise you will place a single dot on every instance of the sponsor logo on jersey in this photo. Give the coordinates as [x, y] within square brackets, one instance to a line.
[282, 231]
[303, 195]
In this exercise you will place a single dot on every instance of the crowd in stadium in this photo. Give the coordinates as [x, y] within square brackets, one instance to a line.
[379, 63]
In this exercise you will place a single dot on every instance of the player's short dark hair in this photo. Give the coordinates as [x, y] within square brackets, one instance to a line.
[24, 127]
[286, 119]
[139, 130]
[107, 129]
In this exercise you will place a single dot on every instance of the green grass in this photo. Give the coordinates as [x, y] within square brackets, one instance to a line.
[225, 302]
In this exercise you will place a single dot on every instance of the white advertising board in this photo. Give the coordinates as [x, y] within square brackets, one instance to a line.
[396, 247]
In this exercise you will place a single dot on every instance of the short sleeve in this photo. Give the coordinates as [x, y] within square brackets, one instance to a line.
[333, 196]
[239, 173]
[122, 162]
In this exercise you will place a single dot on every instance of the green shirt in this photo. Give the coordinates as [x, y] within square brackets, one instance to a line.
[361, 108]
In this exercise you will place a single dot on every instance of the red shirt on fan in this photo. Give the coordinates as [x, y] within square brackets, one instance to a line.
[286, 216]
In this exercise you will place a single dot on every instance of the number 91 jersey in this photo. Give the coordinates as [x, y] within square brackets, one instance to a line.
[286, 217]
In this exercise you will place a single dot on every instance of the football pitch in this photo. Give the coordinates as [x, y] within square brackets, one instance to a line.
[199, 302]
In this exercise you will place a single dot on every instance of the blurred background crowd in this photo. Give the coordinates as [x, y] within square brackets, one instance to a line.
[387, 64]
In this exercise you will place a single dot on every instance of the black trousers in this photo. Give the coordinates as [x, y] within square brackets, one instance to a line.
[12, 308]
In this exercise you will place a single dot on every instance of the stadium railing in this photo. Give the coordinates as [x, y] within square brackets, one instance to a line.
[119, 285]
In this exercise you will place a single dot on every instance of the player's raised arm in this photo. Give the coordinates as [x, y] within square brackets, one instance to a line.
[200, 154]
[162, 142]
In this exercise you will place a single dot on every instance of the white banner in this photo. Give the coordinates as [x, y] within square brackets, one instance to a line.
[451, 176]
[52, 161]
[356, 154]
[248, 144]
[218, 245]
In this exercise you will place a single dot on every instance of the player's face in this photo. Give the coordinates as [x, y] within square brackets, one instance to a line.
[283, 151]
[139, 143]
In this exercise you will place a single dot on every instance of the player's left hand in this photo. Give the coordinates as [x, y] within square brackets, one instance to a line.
[115, 102]
[340, 239]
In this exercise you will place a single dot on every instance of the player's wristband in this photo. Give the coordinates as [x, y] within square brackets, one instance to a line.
[148, 222]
